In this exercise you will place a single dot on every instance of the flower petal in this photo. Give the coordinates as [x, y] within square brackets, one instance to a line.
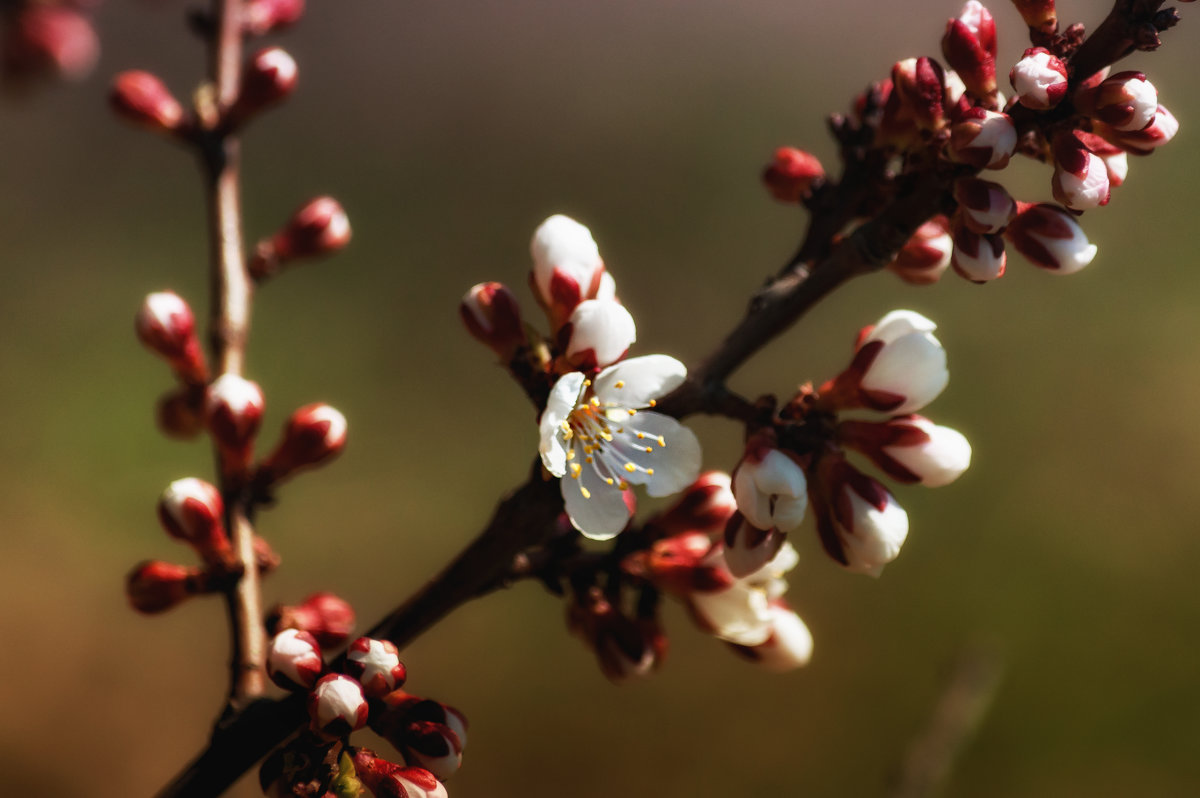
[558, 407]
[740, 614]
[898, 323]
[675, 464]
[596, 509]
[640, 379]
[752, 503]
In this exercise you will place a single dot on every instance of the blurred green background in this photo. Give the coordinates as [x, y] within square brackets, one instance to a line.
[449, 130]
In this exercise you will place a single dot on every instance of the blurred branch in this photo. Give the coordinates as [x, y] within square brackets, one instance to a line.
[960, 709]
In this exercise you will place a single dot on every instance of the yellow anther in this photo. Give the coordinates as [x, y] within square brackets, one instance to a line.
[623, 485]
[630, 467]
[662, 441]
[641, 435]
[619, 384]
[649, 450]
[571, 454]
[649, 472]
[609, 480]
[606, 436]
[653, 402]
[587, 494]
[588, 459]
[595, 402]
[587, 383]
[575, 470]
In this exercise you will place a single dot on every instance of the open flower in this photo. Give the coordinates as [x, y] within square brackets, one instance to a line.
[596, 435]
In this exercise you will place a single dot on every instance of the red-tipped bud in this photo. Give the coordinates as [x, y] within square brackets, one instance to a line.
[191, 510]
[926, 256]
[1080, 176]
[567, 268]
[1125, 101]
[328, 618]
[597, 334]
[624, 647]
[376, 665]
[319, 227]
[314, 434]
[791, 174]
[141, 98]
[704, 506]
[910, 448]
[180, 412]
[491, 315]
[336, 706]
[1039, 78]
[260, 17]
[1050, 238]
[1145, 141]
[233, 412]
[970, 48]
[268, 78]
[985, 207]
[388, 780]
[432, 746]
[155, 586]
[1116, 160]
[789, 646]
[983, 139]
[166, 326]
[49, 39]
[920, 89]
[294, 660]
[680, 564]
[403, 710]
[979, 258]
[859, 523]
[1039, 15]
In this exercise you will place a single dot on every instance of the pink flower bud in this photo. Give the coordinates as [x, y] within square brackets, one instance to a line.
[1080, 177]
[899, 367]
[1040, 79]
[328, 618]
[426, 732]
[376, 665]
[1050, 238]
[979, 258]
[926, 256]
[1039, 15]
[260, 17]
[1145, 141]
[983, 139]
[50, 39]
[748, 548]
[1125, 101]
[598, 333]
[492, 316]
[704, 506]
[790, 645]
[155, 586]
[910, 448]
[791, 174]
[191, 510]
[970, 48]
[918, 87]
[180, 412]
[268, 78]
[624, 647]
[1116, 160]
[567, 268]
[434, 747]
[769, 487]
[143, 99]
[388, 780]
[294, 660]
[319, 227]
[986, 207]
[314, 434]
[166, 326]
[739, 611]
[681, 564]
[233, 411]
[860, 524]
[336, 706]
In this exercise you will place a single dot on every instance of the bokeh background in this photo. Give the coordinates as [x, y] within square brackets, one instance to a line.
[449, 130]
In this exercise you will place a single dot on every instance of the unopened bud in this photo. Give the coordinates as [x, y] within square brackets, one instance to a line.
[376, 665]
[789, 646]
[970, 48]
[313, 435]
[985, 207]
[1040, 79]
[294, 660]
[260, 17]
[1039, 15]
[919, 88]
[1145, 141]
[143, 99]
[1125, 101]
[319, 227]
[268, 78]
[166, 326]
[910, 449]
[567, 268]
[1049, 237]
[432, 746]
[704, 506]
[155, 586]
[336, 706]
[191, 510]
[859, 522]
[388, 780]
[1080, 176]
[923, 259]
[770, 488]
[1116, 160]
[180, 412]
[983, 139]
[979, 258]
[791, 174]
[49, 39]
[491, 315]
[328, 618]
[598, 333]
[233, 412]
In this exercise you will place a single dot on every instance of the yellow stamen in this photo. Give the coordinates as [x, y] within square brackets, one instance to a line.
[587, 494]
[653, 402]
[630, 467]
[619, 384]
[649, 472]
[575, 470]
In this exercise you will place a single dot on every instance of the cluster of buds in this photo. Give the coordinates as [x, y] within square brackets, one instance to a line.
[597, 431]
[47, 38]
[428, 736]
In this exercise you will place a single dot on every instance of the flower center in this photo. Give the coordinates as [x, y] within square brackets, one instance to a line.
[591, 435]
